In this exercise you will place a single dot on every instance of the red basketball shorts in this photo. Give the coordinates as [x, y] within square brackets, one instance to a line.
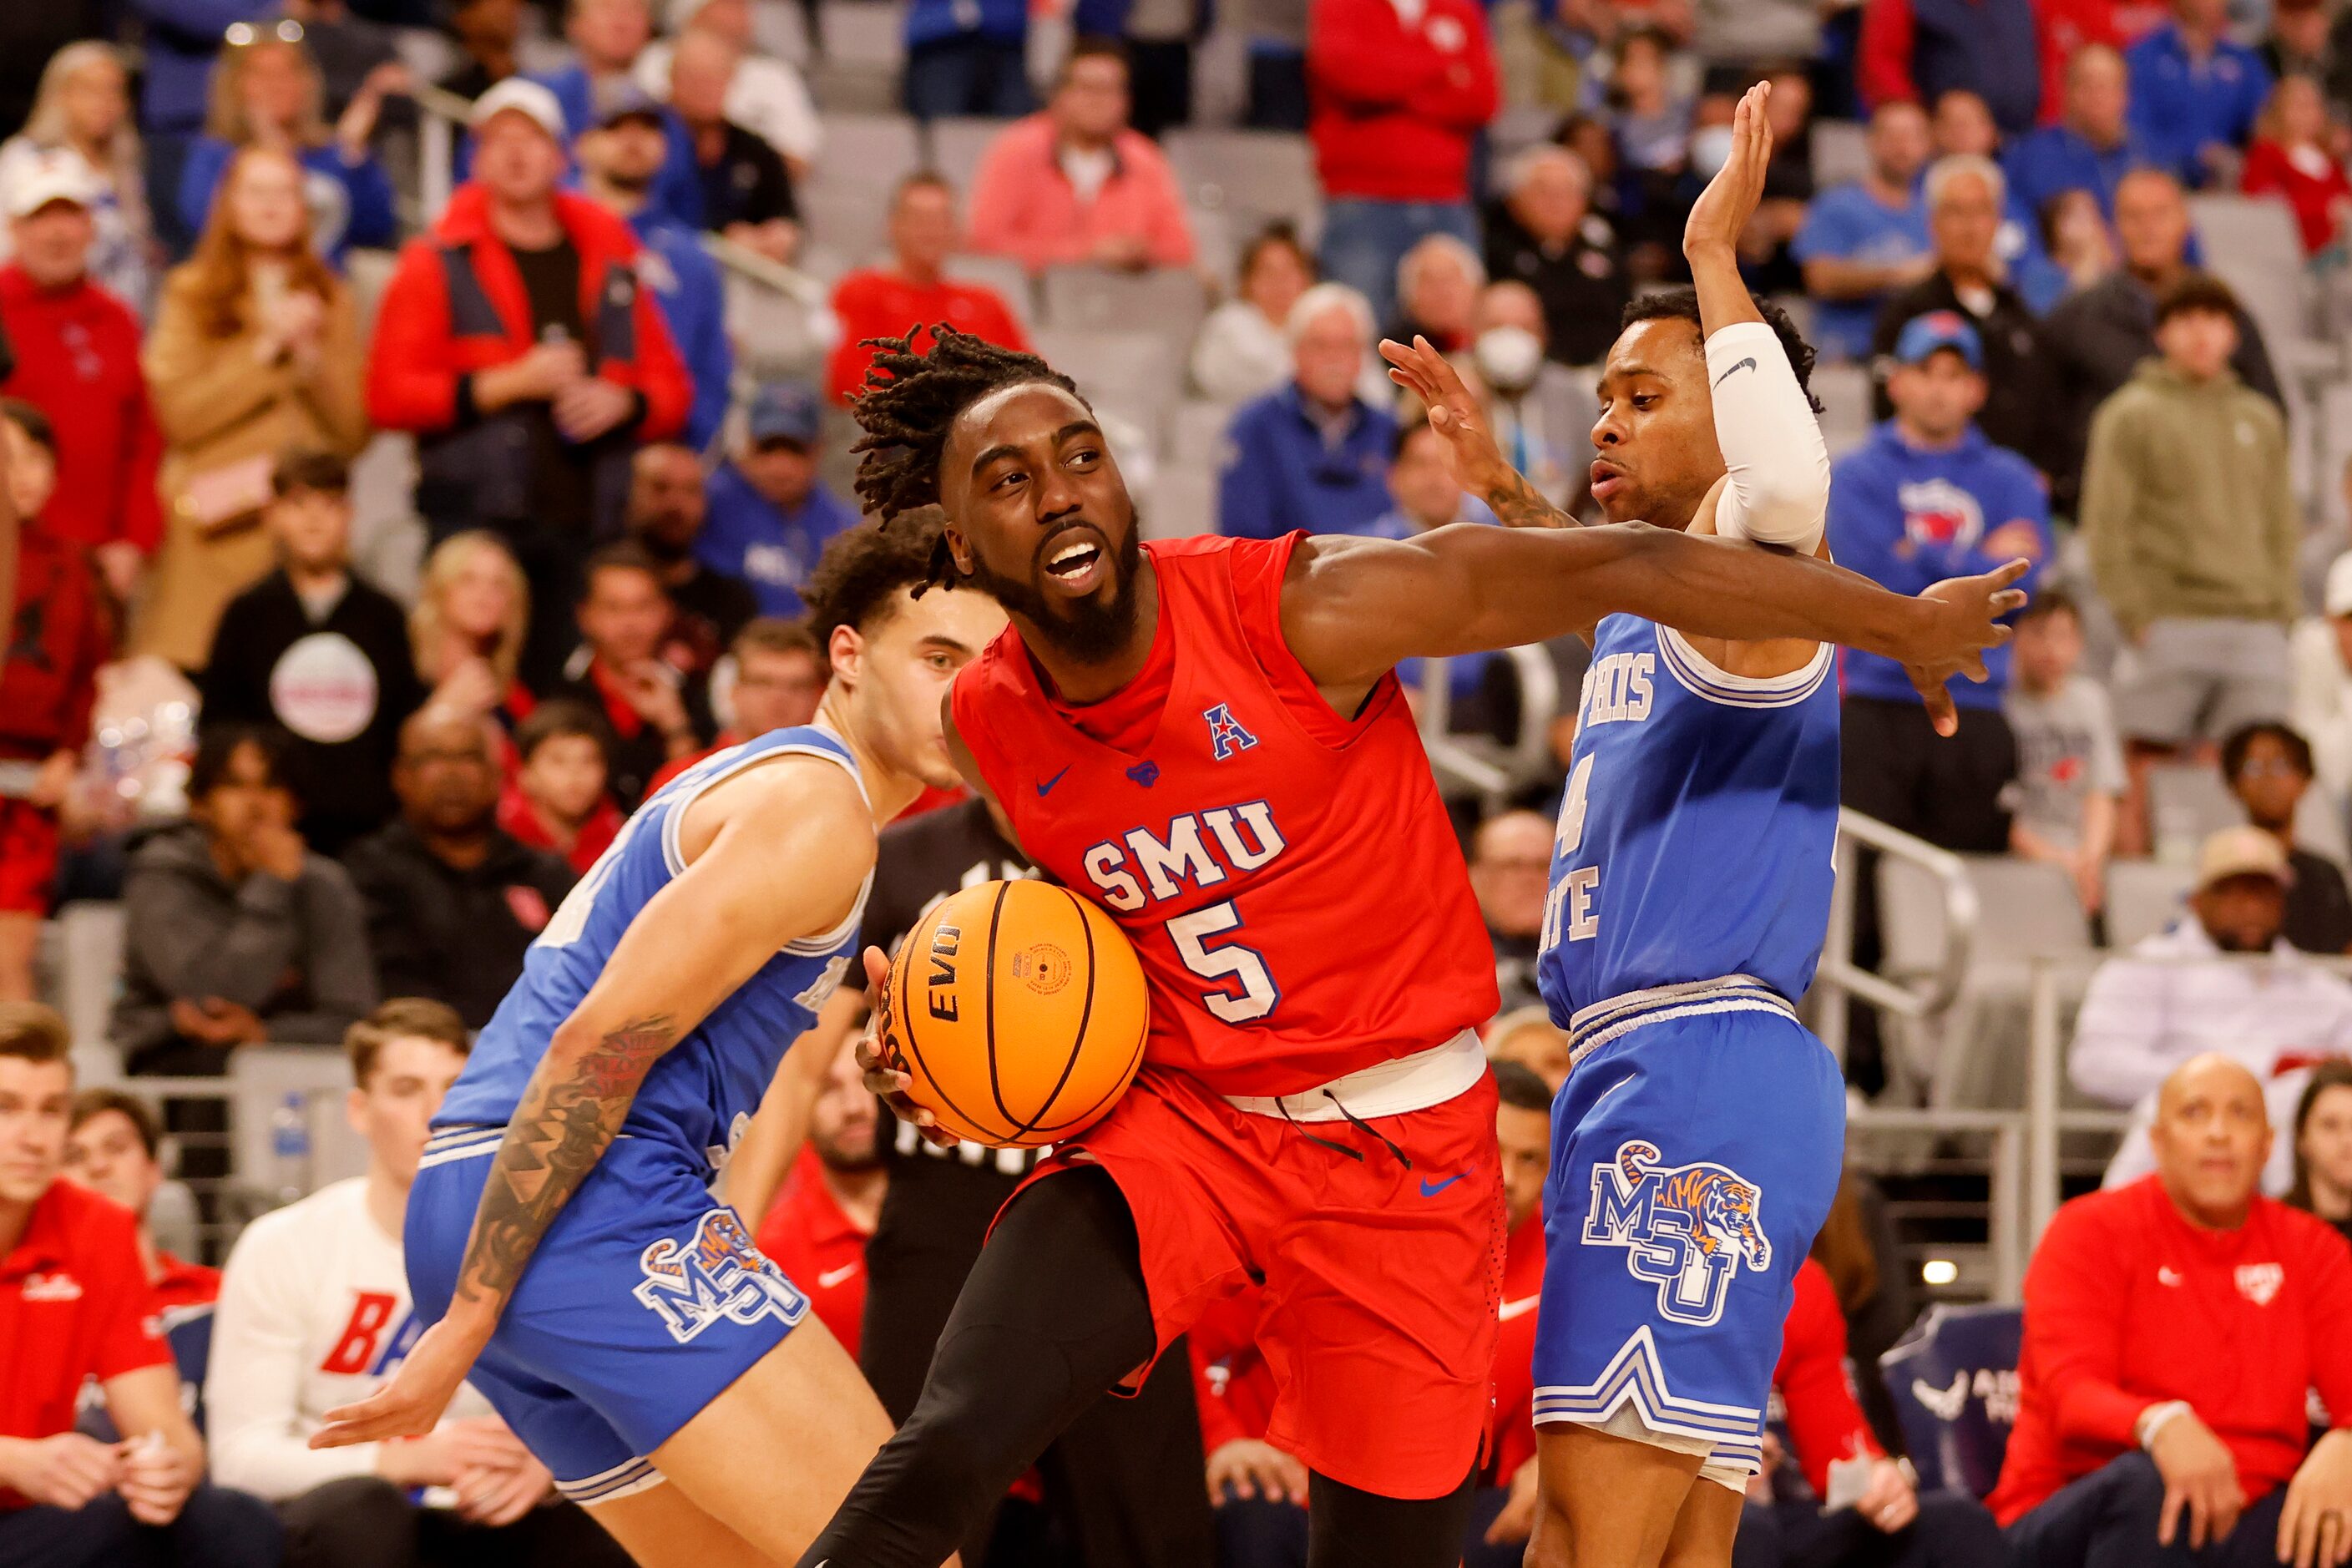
[28, 856]
[1380, 1277]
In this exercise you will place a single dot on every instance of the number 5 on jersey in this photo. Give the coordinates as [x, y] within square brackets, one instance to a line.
[1230, 964]
[1569, 908]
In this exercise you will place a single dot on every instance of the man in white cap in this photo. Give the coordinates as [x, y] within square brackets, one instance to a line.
[514, 340]
[77, 360]
[2221, 979]
[2321, 668]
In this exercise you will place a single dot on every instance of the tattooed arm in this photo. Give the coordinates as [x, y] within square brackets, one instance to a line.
[698, 939]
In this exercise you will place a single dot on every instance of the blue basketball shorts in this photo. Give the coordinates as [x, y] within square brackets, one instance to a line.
[1696, 1147]
[645, 1300]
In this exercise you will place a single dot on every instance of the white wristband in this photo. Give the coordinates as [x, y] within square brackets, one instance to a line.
[1776, 463]
[2155, 1417]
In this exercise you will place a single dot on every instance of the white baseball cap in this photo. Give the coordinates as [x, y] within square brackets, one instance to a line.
[526, 98]
[52, 180]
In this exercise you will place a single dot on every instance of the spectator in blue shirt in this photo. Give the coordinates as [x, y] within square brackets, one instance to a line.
[968, 57]
[1863, 242]
[267, 92]
[1927, 497]
[1312, 454]
[2195, 92]
[607, 36]
[620, 157]
[770, 519]
[1423, 494]
[2091, 147]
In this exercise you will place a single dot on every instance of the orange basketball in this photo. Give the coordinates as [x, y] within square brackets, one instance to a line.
[1019, 1010]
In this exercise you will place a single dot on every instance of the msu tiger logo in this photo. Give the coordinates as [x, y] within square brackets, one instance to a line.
[1685, 1228]
[719, 1273]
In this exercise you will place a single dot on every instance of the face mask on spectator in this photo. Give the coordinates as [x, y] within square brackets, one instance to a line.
[1509, 358]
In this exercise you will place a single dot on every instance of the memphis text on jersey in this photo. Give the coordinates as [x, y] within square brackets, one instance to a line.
[1617, 691]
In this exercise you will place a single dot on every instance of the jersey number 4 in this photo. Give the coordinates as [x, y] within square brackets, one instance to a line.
[1569, 911]
[1229, 964]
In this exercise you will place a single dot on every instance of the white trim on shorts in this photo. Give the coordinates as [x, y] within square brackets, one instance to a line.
[1728, 1436]
[626, 1479]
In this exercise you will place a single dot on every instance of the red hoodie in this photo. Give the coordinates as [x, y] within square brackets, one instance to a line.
[1396, 102]
[418, 360]
[76, 353]
[2129, 1305]
[1824, 1421]
[60, 634]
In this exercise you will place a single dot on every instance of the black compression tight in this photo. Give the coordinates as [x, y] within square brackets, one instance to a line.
[1054, 1313]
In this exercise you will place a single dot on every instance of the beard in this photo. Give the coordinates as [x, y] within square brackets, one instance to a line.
[1084, 631]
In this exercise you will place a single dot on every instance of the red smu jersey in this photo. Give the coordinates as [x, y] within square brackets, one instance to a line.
[1289, 878]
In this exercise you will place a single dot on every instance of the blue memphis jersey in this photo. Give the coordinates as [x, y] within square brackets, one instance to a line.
[702, 1093]
[1698, 834]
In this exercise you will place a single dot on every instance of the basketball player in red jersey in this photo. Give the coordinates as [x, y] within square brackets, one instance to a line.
[1206, 737]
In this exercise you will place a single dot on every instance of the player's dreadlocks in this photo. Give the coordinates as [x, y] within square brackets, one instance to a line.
[910, 399]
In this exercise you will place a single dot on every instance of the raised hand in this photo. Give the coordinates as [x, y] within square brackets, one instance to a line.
[1723, 209]
[1475, 462]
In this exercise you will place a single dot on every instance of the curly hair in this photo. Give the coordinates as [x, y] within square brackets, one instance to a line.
[910, 398]
[857, 578]
[1681, 305]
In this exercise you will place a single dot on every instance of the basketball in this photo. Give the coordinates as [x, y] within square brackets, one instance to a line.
[1019, 1011]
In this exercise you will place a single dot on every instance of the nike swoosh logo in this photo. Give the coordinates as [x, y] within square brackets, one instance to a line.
[1726, 375]
[1045, 786]
[831, 1277]
[2166, 1276]
[1518, 1309]
[1430, 1189]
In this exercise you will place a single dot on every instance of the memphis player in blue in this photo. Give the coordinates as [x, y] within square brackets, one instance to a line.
[563, 1240]
[1697, 1139]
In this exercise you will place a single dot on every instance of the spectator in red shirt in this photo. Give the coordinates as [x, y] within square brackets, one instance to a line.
[779, 678]
[658, 711]
[1397, 94]
[557, 800]
[911, 293]
[1887, 1524]
[2172, 1329]
[59, 635]
[514, 342]
[817, 1229]
[2291, 157]
[77, 360]
[113, 1147]
[74, 1305]
[1074, 185]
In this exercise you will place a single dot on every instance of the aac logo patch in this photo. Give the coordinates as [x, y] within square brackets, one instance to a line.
[719, 1273]
[1685, 1228]
[1226, 735]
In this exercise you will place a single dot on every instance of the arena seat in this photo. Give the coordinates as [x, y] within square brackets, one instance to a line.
[1196, 433]
[1844, 392]
[1138, 376]
[1262, 176]
[1164, 299]
[2186, 802]
[954, 146]
[1183, 501]
[89, 978]
[2143, 898]
[1953, 1379]
[1001, 273]
[1841, 151]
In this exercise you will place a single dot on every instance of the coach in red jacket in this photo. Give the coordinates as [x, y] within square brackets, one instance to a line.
[1397, 90]
[515, 342]
[2172, 1329]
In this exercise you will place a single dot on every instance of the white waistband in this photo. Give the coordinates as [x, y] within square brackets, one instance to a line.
[1409, 1083]
[1591, 1027]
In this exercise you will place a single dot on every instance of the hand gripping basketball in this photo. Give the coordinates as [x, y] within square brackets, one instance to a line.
[1014, 1015]
[884, 1077]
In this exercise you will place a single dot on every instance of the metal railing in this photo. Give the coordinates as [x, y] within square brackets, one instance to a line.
[1839, 978]
[1493, 771]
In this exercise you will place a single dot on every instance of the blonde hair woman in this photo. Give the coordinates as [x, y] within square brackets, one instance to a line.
[81, 117]
[467, 630]
[267, 92]
[256, 351]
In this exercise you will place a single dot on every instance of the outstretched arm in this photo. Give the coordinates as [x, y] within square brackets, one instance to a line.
[694, 943]
[1352, 608]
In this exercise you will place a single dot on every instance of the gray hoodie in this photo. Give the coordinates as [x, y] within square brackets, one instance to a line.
[294, 952]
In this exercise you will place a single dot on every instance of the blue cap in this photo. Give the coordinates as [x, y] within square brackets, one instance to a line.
[621, 99]
[1923, 335]
[784, 411]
